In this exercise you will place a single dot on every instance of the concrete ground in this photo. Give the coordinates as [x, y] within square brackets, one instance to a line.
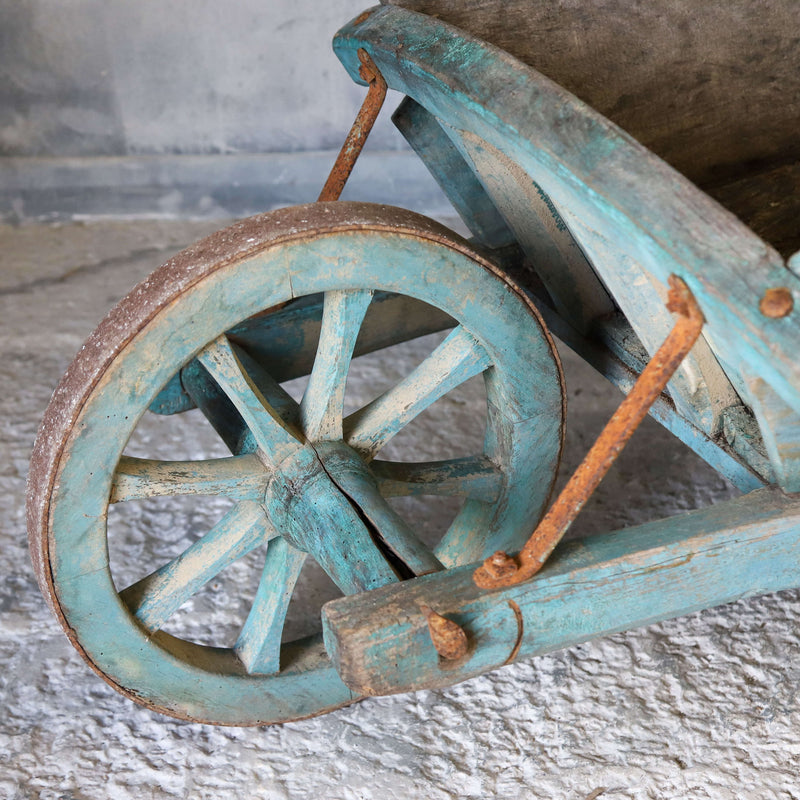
[705, 706]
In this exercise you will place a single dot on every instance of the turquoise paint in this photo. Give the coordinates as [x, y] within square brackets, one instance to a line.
[425, 135]
[156, 597]
[588, 588]
[477, 477]
[213, 684]
[621, 203]
[258, 645]
[305, 504]
[458, 358]
[323, 401]
[239, 477]
[285, 341]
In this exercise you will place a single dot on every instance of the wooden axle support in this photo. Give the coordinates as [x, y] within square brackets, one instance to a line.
[379, 642]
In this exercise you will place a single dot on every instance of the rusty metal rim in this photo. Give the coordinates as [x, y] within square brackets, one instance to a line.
[165, 286]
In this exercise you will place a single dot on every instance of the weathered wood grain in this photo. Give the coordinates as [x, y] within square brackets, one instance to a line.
[156, 597]
[425, 135]
[713, 88]
[239, 477]
[471, 476]
[780, 426]
[636, 219]
[458, 358]
[323, 400]
[274, 437]
[258, 645]
[380, 642]
[284, 341]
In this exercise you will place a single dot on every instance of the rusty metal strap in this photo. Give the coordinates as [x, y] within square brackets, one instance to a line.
[504, 570]
[353, 144]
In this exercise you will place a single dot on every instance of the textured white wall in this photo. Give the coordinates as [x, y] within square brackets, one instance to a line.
[706, 707]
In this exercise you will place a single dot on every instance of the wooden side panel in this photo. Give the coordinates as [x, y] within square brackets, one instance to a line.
[713, 87]
[380, 643]
[624, 205]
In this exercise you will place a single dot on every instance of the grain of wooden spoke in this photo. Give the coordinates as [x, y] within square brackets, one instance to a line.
[458, 358]
[156, 597]
[259, 643]
[272, 435]
[323, 401]
[476, 477]
[238, 477]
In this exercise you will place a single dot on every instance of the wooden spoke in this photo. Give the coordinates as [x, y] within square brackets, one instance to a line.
[156, 597]
[217, 409]
[476, 477]
[273, 436]
[259, 642]
[390, 532]
[456, 359]
[284, 405]
[321, 408]
[240, 477]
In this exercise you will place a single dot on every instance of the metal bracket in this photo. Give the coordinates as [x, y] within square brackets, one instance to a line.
[501, 569]
[353, 144]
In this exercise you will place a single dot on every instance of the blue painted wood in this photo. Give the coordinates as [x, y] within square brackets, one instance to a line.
[458, 358]
[592, 587]
[285, 341]
[274, 438]
[201, 294]
[353, 477]
[323, 400]
[240, 477]
[448, 167]
[304, 504]
[156, 597]
[737, 454]
[541, 232]
[636, 218]
[258, 645]
[477, 477]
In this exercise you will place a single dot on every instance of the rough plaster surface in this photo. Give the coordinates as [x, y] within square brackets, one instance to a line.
[114, 77]
[705, 706]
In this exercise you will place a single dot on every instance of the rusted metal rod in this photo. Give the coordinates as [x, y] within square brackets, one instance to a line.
[504, 570]
[351, 149]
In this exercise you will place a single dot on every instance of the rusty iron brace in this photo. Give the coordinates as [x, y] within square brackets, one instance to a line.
[501, 569]
[353, 144]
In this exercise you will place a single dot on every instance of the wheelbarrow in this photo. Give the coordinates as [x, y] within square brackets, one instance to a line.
[650, 225]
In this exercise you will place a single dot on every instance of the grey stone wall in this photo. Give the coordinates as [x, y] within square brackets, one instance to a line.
[106, 105]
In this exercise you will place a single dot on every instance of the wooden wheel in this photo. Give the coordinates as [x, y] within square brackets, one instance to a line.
[302, 479]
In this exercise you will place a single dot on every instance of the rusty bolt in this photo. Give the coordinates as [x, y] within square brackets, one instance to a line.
[776, 303]
[448, 637]
[500, 565]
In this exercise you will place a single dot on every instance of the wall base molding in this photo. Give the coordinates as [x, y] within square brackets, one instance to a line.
[202, 187]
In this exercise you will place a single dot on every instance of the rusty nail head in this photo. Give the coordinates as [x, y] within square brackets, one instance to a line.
[776, 303]
[500, 565]
[363, 16]
[448, 637]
